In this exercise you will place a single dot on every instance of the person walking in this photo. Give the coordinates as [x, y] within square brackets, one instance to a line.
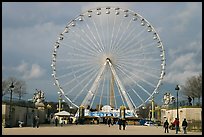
[176, 123]
[56, 121]
[124, 123]
[120, 123]
[109, 122]
[37, 121]
[34, 122]
[166, 127]
[184, 125]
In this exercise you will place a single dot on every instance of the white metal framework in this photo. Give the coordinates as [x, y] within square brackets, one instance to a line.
[109, 56]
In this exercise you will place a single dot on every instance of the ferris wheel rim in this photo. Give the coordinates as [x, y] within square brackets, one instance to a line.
[94, 9]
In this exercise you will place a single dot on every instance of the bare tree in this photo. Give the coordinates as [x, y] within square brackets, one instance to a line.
[20, 89]
[193, 87]
[19, 86]
[5, 87]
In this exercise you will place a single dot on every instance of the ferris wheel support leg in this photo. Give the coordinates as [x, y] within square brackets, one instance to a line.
[130, 105]
[89, 96]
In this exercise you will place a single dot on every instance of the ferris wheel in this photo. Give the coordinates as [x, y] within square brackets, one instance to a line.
[108, 56]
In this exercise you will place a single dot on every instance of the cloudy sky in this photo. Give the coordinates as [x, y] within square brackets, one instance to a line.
[29, 31]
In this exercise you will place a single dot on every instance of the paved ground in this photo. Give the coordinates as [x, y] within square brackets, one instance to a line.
[90, 130]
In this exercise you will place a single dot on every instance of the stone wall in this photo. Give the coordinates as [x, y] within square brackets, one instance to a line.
[24, 114]
[191, 114]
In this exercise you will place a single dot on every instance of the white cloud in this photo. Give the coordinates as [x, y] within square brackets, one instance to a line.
[175, 77]
[30, 73]
[185, 16]
[35, 72]
[181, 61]
[183, 67]
[23, 67]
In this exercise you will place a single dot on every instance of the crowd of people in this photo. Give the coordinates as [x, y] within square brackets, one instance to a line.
[176, 125]
[122, 123]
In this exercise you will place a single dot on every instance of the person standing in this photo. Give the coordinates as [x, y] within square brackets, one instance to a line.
[56, 121]
[184, 125]
[120, 123]
[34, 122]
[37, 121]
[166, 127]
[124, 123]
[109, 122]
[176, 123]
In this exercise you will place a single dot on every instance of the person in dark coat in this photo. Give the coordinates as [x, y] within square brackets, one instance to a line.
[109, 122]
[37, 119]
[184, 125]
[124, 123]
[56, 121]
[166, 127]
[34, 122]
[120, 123]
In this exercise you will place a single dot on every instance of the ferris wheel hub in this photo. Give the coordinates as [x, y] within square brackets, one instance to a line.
[108, 59]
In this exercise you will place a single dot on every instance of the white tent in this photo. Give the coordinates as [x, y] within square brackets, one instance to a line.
[62, 113]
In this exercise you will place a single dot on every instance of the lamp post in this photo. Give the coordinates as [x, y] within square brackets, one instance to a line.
[151, 112]
[177, 89]
[60, 101]
[10, 108]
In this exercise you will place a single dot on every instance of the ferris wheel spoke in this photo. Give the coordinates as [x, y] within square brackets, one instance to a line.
[99, 35]
[136, 82]
[83, 49]
[145, 60]
[152, 75]
[129, 47]
[94, 96]
[132, 88]
[76, 60]
[140, 56]
[112, 33]
[68, 67]
[139, 65]
[131, 42]
[118, 44]
[85, 42]
[81, 42]
[140, 46]
[79, 70]
[116, 37]
[137, 76]
[77, 55]
[97, 46]
[89, 78]
[88, 40]
[138, 52]
[82, 75]
[134, 105]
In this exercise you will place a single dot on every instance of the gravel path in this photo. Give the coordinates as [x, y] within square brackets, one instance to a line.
[91, 130]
